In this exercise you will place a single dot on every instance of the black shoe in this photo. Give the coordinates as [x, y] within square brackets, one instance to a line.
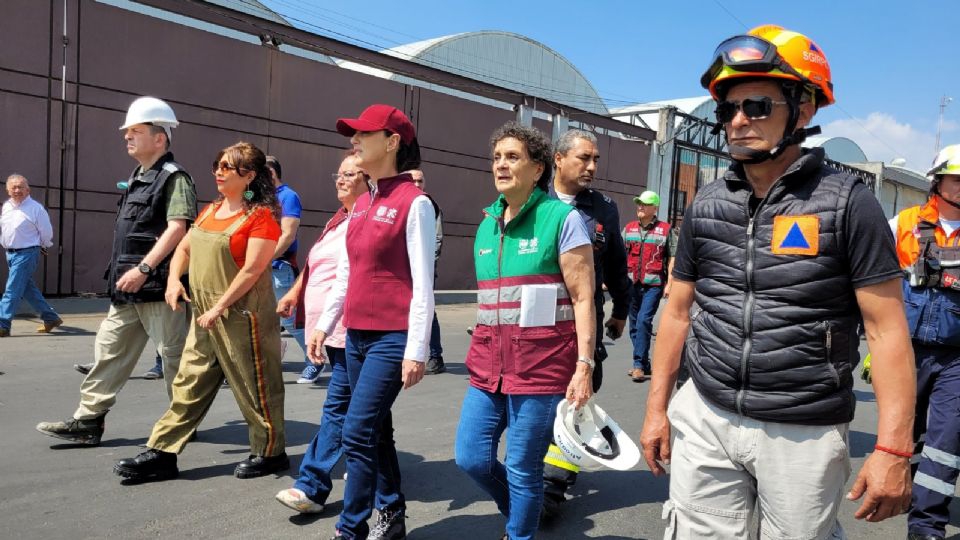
[435, 366]
[391, 525]
[551, 507]
[922, 536]
[86, 432]
[255, 466]
[150, 465]
[83, 368]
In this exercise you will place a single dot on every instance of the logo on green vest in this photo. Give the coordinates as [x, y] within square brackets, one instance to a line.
[485, 251]
[527, 247]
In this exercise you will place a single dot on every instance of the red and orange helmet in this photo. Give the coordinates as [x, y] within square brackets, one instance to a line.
[770, 51]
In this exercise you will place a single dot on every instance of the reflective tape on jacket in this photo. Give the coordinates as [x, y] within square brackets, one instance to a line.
[502, 304]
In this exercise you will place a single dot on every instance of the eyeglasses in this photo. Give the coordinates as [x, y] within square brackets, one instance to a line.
[346, 176]
[226, 167]
[753, 107]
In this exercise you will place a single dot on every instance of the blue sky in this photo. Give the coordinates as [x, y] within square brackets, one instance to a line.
[891, 60]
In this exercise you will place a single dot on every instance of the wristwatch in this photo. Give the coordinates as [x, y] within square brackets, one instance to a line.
[587, 361]
[145, 269]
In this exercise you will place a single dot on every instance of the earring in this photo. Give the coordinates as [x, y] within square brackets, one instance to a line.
[248, 195]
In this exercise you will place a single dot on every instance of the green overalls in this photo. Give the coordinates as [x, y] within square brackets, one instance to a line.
[243, 346]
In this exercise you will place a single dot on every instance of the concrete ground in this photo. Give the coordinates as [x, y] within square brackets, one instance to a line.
[49, 490]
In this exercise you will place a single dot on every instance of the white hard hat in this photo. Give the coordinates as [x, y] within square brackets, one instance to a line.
[150, 110]
[589, 438]
[947, 162]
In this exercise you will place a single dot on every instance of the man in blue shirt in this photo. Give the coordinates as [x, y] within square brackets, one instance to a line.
[284, 264]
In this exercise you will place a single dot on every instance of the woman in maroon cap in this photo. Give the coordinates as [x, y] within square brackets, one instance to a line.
[384, 293]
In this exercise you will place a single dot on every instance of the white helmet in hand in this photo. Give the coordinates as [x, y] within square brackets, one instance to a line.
[150, 110]
[589, 438]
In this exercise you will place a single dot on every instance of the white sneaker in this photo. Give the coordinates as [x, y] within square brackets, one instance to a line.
[298, 500]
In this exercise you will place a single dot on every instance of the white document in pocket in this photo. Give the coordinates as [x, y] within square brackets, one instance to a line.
[538, 305]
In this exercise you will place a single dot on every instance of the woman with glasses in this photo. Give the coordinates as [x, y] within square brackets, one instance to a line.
[235, 329]
[384, 293]
[307, 297]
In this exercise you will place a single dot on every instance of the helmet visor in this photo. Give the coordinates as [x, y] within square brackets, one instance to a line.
[749, 54]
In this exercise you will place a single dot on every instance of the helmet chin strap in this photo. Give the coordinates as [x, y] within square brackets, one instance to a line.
[936, 191]
[759, 156]
[791, 135]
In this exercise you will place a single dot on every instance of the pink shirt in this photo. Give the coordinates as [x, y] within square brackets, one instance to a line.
[323, 259]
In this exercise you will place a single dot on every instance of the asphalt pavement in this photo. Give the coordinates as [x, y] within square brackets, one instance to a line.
[50, 490]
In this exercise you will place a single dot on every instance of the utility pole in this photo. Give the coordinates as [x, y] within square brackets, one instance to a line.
[944, 100]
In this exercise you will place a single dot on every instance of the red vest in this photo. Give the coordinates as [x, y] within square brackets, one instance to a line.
[645, 252]
[380, 287]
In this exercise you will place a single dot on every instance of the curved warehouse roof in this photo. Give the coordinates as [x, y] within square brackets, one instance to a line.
[839, 149]
[504, 59]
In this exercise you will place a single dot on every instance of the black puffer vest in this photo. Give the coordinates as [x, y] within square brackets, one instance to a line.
[776, 340]
[141, 220]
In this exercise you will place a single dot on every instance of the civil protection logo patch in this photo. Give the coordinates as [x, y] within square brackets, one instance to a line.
[796, 235]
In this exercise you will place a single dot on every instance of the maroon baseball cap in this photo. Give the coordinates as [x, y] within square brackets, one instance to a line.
[378, 117]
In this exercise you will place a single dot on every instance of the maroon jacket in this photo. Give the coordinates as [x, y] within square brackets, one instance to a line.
[380, 286]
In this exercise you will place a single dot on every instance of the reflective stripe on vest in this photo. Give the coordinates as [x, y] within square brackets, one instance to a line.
[501, 305]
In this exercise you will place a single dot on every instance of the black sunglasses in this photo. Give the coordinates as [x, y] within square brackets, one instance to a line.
[226, 167]
[753, 107]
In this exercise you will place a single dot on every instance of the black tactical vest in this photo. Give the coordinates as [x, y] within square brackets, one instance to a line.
[776, 340]
[141, 220]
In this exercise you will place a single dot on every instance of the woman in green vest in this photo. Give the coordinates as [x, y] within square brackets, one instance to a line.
[534, 339]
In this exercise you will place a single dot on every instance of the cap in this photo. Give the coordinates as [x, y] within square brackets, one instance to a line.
[648, 197]
[377, 117]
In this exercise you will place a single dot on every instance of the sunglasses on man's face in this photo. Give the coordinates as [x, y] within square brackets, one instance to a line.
[754, 108]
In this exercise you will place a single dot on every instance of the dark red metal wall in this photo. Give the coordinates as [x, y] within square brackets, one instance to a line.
[223, 90]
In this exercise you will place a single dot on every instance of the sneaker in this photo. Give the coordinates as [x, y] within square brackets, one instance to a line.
[922, 536]
[156, 372]
[86, 432]
[390, 525]
[310, 374]
[338, 536]
[83, 368]
[470, 330]
[298, 500]
[150, 465]
[48, 326]
[255, 466]
[638, 375]
[435, 366]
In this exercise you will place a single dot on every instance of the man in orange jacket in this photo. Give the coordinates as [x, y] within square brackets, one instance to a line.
[928, 246]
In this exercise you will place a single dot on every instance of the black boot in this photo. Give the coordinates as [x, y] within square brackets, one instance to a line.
[150, 465]
[86, 432]
[391, 525]
[922, 536]
[255, 466]
[435, 365]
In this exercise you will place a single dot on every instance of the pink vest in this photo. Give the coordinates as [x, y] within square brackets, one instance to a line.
[380, 287]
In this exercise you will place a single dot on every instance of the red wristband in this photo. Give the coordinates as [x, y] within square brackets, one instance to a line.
[907, 455]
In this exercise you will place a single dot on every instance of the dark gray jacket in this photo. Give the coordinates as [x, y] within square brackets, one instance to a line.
[776, 340]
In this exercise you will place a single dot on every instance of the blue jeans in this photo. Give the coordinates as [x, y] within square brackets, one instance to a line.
[644, 301]
[374, 361]
[20, 286]
[326, 447]
[436, 350]
[283, 278]
[517, 484]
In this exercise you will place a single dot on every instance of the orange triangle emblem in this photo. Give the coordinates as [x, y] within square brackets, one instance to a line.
[796, 235]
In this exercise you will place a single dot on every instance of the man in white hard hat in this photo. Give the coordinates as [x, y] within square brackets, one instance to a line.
[158, 204]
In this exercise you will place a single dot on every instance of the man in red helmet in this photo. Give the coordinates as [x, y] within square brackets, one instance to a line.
[782, 257]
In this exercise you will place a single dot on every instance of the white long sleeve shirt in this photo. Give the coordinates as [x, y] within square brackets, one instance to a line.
[25, 225]
[421, 241]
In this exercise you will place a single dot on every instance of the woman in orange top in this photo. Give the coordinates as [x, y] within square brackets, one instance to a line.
[235, 332]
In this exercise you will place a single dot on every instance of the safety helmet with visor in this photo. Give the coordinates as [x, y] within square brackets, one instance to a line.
[769, 52]
[150, 110]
